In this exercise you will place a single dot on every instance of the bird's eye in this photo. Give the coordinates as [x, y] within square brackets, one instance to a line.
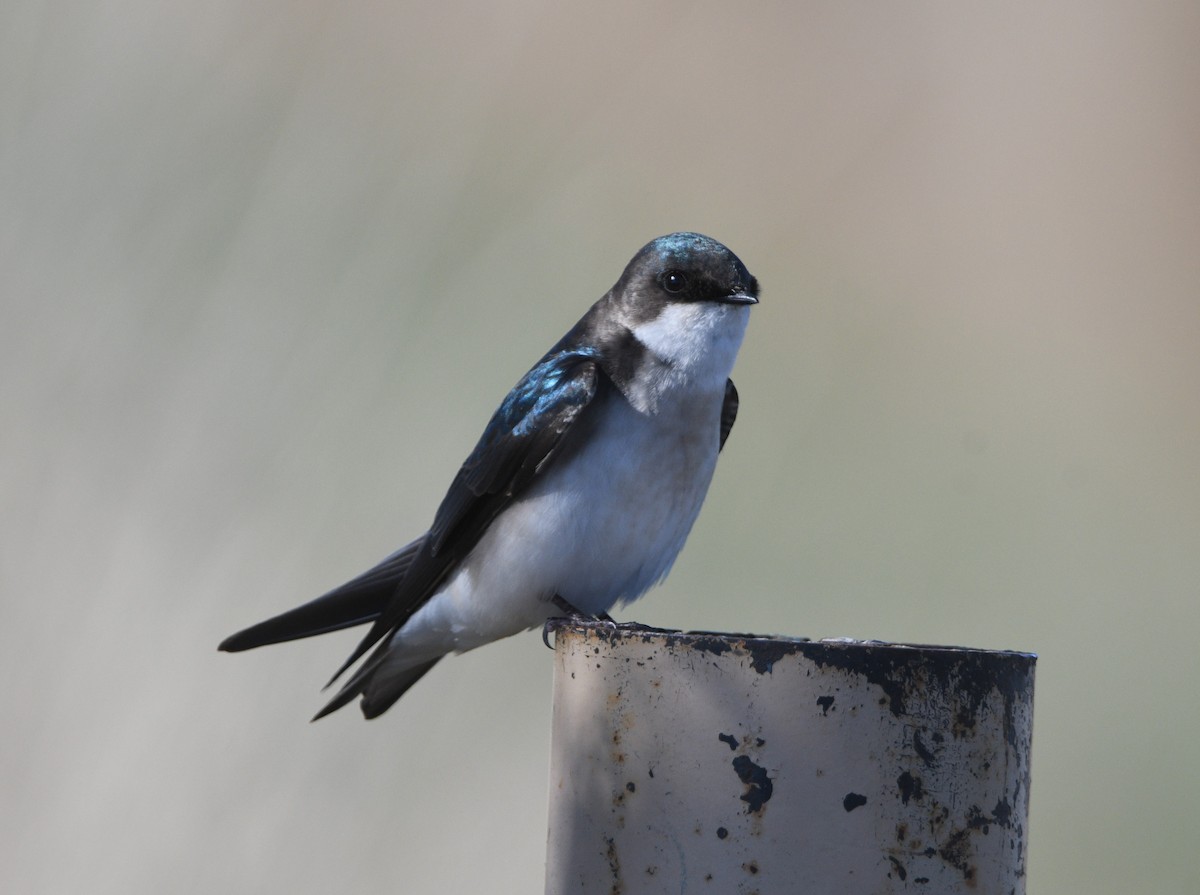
[674, 282]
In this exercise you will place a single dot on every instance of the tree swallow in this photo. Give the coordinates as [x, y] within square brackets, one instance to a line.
[581, 490]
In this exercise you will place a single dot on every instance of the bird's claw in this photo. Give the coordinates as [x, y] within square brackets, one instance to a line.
[574, 614]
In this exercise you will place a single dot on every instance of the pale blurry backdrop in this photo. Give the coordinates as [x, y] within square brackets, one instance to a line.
[266, 269]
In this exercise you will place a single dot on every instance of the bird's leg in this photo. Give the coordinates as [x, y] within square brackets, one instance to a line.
[571, 612]
[574, 613]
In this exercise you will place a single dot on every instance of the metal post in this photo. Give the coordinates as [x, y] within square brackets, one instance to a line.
[729, 763]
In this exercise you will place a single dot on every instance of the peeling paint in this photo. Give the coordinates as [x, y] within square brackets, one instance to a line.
[853, 800]
[922, 752]
[758, 784]
[910, 787]
[765, 653]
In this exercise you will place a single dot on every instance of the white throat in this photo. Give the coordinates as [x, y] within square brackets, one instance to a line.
[695, 344]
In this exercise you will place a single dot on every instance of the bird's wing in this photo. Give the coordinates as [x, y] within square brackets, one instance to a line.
[356, 602]
[523, 436]
[729, 411]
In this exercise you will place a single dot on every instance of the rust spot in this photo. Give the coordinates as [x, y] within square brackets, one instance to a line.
[614, 867]
[964, 723]
[751, 867]
[901, 832]
[957, 853]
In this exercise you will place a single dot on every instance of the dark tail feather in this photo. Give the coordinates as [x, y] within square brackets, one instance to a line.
[356, 602]
[376, 703]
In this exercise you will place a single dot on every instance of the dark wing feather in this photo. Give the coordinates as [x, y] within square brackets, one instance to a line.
[728, 411]
[526, 432]
[521, 437]
[354, 603]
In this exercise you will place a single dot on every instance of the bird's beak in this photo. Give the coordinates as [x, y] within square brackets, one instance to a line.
[739, 298]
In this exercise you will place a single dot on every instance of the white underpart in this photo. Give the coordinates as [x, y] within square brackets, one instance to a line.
[607, 525]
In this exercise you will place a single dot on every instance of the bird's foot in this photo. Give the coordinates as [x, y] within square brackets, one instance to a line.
[573, 613]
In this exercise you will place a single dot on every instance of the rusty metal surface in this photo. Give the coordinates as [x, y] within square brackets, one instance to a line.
[733, 763]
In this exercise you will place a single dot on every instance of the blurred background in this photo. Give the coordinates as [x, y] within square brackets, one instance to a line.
[267, 269]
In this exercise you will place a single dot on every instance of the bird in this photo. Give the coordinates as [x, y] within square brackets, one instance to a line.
[580, 492]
